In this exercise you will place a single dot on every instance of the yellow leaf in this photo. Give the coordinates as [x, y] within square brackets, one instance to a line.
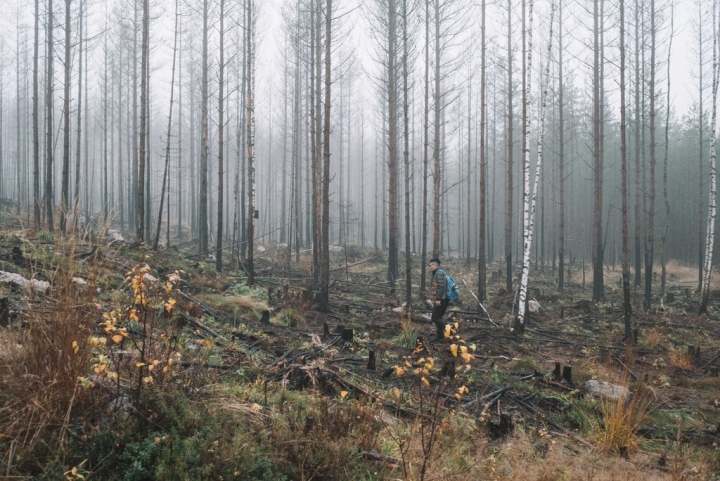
[139, 364]
[133, 315]
[208, 343]
[168, 287]
[117, 338]
[169, 305]
[75, 347]
[463, 349]
[399, 371]
[456, 324]
[454, 349]
[421, 360]
[397, 393]
[424, 379]
[148, 380]
[448, 331]
[407, 364]
[343, 394]
[458, 397]
[165, 369]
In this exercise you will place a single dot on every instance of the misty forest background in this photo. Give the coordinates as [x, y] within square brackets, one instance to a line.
[405, 135]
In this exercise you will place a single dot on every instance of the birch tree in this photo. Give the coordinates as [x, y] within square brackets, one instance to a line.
[529, 206]
[712, 206]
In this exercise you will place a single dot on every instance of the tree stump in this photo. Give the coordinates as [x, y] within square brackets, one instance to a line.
[567, 374]
[371, 361]
[4, 312]
[448, 369]
[326, 329]
[265, 319]
[347, 335]
[557, 372]
[285, 292]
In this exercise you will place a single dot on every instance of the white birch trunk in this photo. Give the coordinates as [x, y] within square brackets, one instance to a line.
[522, 295]
[530, 204]
[707, 268]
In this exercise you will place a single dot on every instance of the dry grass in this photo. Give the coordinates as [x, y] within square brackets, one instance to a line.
[681, 359]
[40, 365]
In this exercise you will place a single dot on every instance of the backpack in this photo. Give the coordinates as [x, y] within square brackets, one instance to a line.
[452, 291]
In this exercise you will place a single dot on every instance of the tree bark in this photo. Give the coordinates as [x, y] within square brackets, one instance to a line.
[49, 108]
[325, 279]
[482, 261]
[221, 142]
[710, 229]
[598, 247]
[144, 53]
[35, 122]
[627, 307]
[166, 172]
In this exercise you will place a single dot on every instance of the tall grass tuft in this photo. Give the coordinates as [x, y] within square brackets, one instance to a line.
[42, 364]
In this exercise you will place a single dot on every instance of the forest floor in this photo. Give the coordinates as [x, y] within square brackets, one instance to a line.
[137, 364]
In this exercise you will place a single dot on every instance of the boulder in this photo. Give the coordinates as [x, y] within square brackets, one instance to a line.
[612, 392]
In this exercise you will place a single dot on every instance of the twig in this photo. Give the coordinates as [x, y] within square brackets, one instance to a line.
[480, 304]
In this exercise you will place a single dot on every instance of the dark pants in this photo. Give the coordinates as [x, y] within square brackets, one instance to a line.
[437, 313]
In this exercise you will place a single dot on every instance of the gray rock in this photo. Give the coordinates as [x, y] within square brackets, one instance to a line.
[606, 390]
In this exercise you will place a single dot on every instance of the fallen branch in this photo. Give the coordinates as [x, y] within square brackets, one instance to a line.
[480, 304]
[202, 306]
[202, 326]
[375, 456]
[717, 356]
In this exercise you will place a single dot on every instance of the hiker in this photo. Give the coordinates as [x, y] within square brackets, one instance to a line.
[440, 301]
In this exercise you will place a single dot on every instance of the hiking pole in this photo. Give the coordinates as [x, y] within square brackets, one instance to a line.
[480, 304]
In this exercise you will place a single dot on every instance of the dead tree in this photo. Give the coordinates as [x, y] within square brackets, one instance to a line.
[627, 307]
[166, 172]
[145, 57]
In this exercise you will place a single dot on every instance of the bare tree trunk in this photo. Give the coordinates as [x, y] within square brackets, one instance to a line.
[437, 172]
[598, 247]
[650, 234]
[325, 280]
[638, 127]
[204, 141]
[406, 155]
[36, 127]
[627, 308]
[482, 238]
[76, 201]
[509, 191]
[221, 142]
[665, 165]
[143, 122]
[392, 144]
[561, 152]
[250, 132]
[166, 172]
[180, 187]
[426, 127]
[65, 194]
[49, 118]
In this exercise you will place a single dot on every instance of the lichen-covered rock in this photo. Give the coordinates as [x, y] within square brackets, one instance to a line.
[612, 392]
[29, 284]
